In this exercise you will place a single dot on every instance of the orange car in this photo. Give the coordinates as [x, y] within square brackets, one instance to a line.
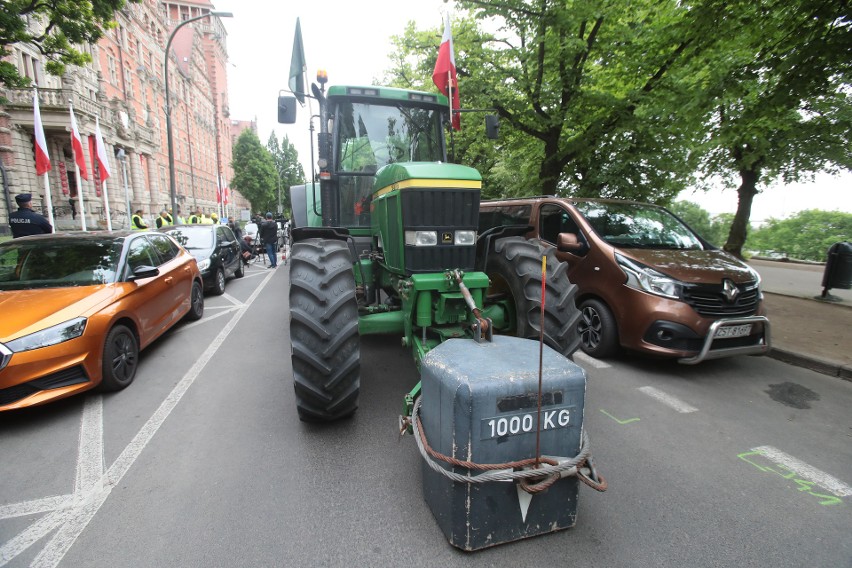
[78, 307]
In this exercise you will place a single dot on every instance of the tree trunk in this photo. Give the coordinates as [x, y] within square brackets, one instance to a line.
[551, 167]
[739, 228]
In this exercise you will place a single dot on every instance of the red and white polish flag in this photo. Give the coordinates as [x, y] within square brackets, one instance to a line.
[77, 146]
[42, 158]
[444, 75]
[103, 161]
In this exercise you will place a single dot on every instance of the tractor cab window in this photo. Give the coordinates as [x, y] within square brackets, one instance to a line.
[372, 136]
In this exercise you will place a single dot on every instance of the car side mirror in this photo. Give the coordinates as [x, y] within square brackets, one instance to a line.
[286, 109]
[568, 242]
[144, 271]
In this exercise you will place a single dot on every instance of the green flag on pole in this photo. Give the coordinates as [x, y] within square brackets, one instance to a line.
[298, 68]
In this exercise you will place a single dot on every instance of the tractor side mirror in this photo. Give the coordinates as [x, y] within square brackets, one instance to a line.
[286, 109]
[492, 126]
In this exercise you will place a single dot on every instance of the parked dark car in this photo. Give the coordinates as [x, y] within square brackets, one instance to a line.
[216, 250]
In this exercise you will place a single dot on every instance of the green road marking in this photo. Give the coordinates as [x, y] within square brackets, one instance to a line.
[628, 421]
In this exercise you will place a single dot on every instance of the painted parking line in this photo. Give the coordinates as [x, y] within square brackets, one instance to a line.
[669, 400]
[804, 470]
[581, 358]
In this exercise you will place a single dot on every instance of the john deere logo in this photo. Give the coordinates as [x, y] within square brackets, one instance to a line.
[446, 238]
[730, 290]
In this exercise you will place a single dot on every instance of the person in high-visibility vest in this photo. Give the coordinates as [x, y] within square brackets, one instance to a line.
[136, 222]
[195, 218]
[164, 220]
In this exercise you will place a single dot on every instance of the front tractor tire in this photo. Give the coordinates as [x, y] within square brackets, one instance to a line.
[326, 349]
[514, 269]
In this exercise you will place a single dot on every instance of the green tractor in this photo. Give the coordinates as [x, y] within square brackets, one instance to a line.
[387, 242]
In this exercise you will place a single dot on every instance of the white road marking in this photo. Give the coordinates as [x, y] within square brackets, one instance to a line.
[206, 318]
[231, 299]
[581, 357]
[90, 456]
[805, 471]
[72, 513]
[668, 400]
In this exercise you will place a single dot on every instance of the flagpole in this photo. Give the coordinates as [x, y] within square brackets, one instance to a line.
[80, 195]
[38, 130]
[106, 207]
[49, 201]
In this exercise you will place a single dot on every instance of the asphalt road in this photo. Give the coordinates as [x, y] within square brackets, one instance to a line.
[203, 462]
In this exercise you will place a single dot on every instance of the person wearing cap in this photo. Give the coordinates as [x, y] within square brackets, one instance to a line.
[268, 233]
[25, 221]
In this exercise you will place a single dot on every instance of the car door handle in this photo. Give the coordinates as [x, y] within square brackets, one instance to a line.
[168, 279]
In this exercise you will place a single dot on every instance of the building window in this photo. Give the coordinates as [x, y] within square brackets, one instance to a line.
[128, 83]
[113, 73]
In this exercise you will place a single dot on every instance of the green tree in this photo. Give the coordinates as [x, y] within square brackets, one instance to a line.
[287, 166]
[60, 26]
[806, 235]
[591, 94]
[779, 87]
[711, 229]
[254, 172]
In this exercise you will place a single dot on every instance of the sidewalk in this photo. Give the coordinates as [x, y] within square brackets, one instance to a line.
[807, 332]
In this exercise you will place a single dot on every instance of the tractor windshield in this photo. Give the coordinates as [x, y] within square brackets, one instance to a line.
[374, 135]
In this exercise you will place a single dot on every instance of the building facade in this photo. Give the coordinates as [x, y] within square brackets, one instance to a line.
[123, 90]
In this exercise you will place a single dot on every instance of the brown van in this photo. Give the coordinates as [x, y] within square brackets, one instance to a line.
[646, 281]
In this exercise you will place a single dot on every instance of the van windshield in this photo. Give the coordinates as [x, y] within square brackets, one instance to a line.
[638, 225]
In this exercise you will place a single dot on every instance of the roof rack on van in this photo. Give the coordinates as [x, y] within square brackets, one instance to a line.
[518, 198]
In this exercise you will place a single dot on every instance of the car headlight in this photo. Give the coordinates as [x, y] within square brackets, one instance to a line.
[465, 238]
[50, 336]
[647, 279]
[203, 264]
[421, 238]
[758, 281]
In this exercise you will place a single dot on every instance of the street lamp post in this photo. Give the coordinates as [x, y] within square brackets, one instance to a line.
[170, 139]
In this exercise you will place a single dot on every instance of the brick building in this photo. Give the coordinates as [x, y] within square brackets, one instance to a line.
[123, 88]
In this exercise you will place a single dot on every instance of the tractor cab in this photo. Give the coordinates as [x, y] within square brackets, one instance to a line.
[362, 130]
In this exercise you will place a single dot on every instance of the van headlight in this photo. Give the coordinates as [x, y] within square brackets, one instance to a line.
[647, 279]
[203, 264]
[51, 336]
[758, 282]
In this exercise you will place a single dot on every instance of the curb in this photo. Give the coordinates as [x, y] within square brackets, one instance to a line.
[820, 366]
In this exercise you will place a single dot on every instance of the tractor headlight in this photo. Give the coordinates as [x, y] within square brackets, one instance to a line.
[50, 336]
[421, 238]
[465, 238]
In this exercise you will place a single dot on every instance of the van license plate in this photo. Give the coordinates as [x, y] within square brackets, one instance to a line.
[733, 331]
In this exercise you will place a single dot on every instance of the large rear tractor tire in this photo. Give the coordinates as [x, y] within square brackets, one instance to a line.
[326, 349]
[514, 268]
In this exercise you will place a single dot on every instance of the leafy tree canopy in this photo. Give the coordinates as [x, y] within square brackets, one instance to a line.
[288, 168]
[63, 24]
[806, 235]
[254, 172]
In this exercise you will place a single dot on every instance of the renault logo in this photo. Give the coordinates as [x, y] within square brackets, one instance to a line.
[730, 290]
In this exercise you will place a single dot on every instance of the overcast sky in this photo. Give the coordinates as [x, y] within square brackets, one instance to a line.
[351, 41]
